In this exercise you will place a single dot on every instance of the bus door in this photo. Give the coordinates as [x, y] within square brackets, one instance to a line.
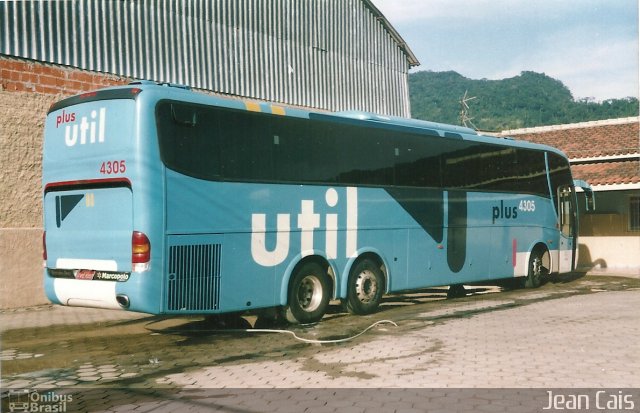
[567, 223]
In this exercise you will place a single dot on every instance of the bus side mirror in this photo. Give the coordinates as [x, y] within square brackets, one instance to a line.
[589, 196]
[589, 200]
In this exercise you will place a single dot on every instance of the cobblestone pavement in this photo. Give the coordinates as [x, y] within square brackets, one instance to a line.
[512, 347]
[571, 342]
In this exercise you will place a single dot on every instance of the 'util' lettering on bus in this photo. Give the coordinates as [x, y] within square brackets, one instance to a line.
[89, 129]
[307, 221]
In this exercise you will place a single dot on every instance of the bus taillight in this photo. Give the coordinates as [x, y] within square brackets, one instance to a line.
[140, 251]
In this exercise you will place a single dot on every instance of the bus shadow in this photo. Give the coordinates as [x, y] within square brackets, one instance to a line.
[194, 329]
[566, 278]
[433, 294]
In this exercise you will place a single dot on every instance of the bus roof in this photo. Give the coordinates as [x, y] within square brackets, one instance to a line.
[361, 118]
[427, 128]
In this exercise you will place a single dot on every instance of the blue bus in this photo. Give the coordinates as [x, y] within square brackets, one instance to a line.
[163, 200]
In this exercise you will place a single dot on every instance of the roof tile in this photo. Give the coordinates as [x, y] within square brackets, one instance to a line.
[615, 137]
[608, 173]
[583, 142]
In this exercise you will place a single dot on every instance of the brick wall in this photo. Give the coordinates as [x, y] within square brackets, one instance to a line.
[18, 75]
[27, 89]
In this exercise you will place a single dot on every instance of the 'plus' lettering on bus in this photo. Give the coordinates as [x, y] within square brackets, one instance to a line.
[504, 212]
[65, 117]
[307, 222]
[91, 129]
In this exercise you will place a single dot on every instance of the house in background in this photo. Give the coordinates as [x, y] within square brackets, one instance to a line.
[606, 154]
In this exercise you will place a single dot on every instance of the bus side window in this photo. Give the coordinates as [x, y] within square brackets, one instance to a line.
[246, 146]
[184, 115]
[188, 140]
[205, 151]
[418, 162]
[294, 149]
[364, 156]
[461, 165]
[530, 172]
[559, 174]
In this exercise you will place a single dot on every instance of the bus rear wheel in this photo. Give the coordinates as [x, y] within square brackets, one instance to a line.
[365, 288]
[308, 294]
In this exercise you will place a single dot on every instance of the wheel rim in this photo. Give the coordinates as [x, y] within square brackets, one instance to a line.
[536, 268]
[310, 293]
[366, 286]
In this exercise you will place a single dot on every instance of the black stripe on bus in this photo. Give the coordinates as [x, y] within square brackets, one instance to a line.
[106, 94]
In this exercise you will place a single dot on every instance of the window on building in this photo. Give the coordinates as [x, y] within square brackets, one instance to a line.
[634, 213]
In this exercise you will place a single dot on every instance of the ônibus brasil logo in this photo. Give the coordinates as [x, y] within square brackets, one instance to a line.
[25, 400]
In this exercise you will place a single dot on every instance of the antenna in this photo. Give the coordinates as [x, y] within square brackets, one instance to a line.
[464, 110]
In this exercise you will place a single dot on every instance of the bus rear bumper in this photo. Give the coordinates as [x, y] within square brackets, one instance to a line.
[82, 293]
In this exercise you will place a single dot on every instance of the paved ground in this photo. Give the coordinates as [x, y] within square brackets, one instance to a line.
[572, 342]
[494, 351]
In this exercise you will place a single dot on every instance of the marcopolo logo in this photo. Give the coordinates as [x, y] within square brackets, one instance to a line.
[307, 222]
[89, 129]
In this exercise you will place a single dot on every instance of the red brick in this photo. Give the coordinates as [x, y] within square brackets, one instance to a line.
[25, 69]
[97, 79]
[81, 76]
[74, 86]
[14, 75]
[47, 90]
[48, 80]
[47, 70]
[16, 87]
[28, 77]
[17, 65]
[41, 70]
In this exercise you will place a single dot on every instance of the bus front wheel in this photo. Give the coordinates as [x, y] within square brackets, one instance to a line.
[365, 289]
[308, 294]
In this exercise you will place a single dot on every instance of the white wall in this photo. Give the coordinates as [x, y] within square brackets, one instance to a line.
[609, 252]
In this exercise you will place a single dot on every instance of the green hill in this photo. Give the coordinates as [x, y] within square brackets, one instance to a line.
[530, 99]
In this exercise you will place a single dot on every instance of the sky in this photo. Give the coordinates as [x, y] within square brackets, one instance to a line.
[589, 45]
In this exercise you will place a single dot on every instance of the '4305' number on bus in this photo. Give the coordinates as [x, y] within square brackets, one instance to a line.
[113, 167]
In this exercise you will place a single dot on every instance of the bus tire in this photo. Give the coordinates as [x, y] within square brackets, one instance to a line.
[365, 288]
[309, 294]
[456, 291]
[536, 270]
